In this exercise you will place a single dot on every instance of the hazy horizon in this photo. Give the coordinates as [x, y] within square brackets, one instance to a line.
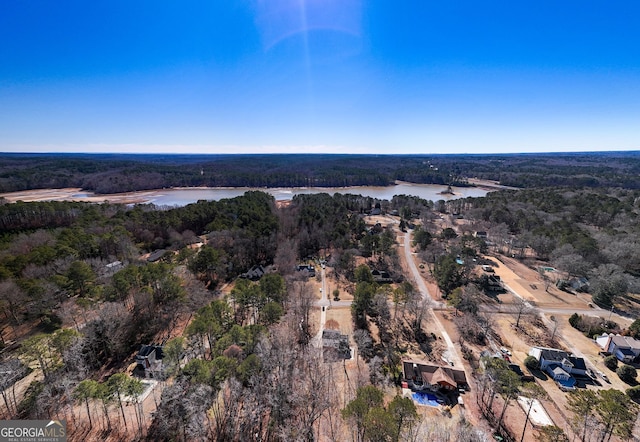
[207, 153]
[319, 76]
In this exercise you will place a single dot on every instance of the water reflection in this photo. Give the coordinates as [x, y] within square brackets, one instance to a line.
[181, 197]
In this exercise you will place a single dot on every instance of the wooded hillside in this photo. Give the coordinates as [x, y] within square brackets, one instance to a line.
[121, 173]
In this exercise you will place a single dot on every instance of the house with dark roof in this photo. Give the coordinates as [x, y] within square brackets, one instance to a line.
[560, 365]
[307, 268]
[381, 276]
[335, 346]
[254, 273]
[376, 229]
[149, 360]
[425, 376]
[156, 255]
[552, 356]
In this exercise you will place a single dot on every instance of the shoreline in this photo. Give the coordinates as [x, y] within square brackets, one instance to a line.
[489, 184]
[77, 194]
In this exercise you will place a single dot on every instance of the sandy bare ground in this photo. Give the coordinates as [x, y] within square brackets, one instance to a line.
[77, 194]
[527, 284]
[489, 184]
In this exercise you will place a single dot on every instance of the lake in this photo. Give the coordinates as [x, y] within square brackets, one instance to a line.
[184, 196]
[181, 197]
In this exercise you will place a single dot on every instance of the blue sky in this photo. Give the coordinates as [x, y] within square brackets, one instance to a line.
[343, 76]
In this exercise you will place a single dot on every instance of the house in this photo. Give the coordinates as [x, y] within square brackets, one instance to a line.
[149, 360]
[114, 266]
[560, 365]
[146, 357]
[625, 348]
[551, 358]
[376, 229]
[254, 273]
[491, 283]
[156, 255]
[579, 284]
[375, 211]
[307, 268]
[381, 276]
[335, 346]
[426, 376]
[564, 379]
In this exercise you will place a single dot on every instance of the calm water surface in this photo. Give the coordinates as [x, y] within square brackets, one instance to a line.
[182, 197]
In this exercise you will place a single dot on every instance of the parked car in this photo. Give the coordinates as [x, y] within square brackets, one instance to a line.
[604, 376]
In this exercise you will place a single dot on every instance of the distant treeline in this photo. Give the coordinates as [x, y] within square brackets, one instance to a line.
[104, 173]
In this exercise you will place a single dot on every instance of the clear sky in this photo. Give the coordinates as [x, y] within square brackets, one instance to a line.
[343, 76]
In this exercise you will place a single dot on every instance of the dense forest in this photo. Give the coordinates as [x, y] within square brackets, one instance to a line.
[78, 276]
[103, 173]
[80, 293]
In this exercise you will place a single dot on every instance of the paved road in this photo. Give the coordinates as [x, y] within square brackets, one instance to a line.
[332, 304]
[451, 353]
[323, 303]
[510, 308]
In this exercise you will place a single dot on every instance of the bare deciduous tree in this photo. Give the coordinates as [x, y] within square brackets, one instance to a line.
[12, 299]
[11, 371]
[521, 308]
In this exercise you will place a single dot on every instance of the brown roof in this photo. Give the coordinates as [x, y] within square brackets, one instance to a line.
[434, 374]
[440, 376]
